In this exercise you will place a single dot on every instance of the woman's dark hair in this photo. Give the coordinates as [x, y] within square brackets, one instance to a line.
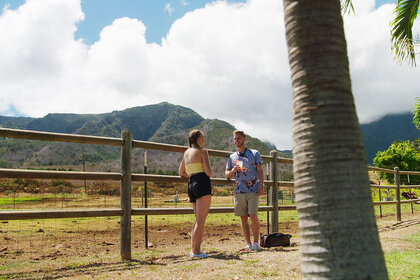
[193, 137]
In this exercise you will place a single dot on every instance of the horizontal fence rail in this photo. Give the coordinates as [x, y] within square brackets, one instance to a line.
[402, 172]
[373, 168]
[390, 171]
[73, 175]
[126, 177]
[383, 187]
[180, 149]
[109, 212]
[177, 211]
[59, 137]
[69, 175]
[410, 200]
[55, 214]
[395, 202]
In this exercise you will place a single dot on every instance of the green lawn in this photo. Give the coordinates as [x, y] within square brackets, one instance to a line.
[403, 265]
[10, 200]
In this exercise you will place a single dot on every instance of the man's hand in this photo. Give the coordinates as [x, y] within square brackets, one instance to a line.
[230, 173]
[236, 168]
[260, 189]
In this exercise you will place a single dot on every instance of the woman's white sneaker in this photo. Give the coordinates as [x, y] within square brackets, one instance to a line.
[201, 255]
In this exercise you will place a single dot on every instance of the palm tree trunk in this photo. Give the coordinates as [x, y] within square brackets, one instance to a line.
[339, 237]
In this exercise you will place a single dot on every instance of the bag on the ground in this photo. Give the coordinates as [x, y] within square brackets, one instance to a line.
[275, 239]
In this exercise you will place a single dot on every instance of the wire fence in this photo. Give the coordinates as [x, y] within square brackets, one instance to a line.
[126, 194]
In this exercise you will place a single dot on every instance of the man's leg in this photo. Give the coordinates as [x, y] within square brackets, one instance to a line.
[241, 210]
[255, 225]
[253, 215]
[245, 229]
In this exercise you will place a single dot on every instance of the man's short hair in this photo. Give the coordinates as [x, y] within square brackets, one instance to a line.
[240, 132]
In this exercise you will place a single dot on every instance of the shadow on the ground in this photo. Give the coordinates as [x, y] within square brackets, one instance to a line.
[398, 225]
[89, 269]
[98, 268]
[224, 256]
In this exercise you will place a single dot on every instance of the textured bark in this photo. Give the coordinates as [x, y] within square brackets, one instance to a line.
[339, 237]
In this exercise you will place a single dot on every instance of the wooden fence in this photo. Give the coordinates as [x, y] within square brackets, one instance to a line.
[126, 177]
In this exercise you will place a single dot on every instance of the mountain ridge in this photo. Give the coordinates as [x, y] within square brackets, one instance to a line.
[380, 134]
[165, 123]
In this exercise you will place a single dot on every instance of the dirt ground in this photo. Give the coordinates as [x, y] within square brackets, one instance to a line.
[83, 249]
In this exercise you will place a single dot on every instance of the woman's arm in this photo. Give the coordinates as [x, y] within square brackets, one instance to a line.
[182, 171]
[206, 163]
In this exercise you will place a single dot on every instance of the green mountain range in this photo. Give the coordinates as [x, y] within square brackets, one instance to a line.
[163, 122]
[380, 134]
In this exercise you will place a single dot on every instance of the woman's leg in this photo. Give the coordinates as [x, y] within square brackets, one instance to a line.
[201, 211]
[194, 205]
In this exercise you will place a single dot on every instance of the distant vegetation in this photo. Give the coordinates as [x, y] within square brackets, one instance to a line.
[402, 154]
[380, 134]
[164, 122]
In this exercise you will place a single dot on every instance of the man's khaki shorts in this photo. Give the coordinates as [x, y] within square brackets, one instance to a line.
[246, 203]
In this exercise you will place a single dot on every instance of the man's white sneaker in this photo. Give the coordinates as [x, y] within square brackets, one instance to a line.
[255, 246]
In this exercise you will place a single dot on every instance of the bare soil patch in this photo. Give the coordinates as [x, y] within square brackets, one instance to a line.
[89, 249]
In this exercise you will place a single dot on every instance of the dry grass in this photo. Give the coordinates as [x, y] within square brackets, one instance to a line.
[82, 248]
[89, 248]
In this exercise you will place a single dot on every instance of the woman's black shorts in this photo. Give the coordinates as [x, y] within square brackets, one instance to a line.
[198, 185]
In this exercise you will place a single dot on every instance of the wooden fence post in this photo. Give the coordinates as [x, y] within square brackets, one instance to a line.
[146, 224]
[397, 192]
[274, 194]
[125, 195]
[268, 197]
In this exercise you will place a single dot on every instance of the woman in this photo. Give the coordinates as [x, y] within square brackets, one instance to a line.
[195, 166]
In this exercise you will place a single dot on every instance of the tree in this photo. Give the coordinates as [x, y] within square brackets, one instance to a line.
[405, 155]
[401, 30]
[402, 39]
[339, 238]
[416, 118]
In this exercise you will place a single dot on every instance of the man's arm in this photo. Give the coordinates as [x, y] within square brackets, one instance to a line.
[260, 172]
[230, 172]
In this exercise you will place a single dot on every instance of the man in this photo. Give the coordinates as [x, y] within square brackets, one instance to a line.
[246, 165]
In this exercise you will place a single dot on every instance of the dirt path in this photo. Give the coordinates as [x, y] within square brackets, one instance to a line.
[95, 255]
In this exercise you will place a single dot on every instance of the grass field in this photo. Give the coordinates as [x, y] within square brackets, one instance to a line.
[86, 248]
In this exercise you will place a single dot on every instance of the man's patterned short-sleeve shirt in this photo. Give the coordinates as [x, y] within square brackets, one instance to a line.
[246, 179]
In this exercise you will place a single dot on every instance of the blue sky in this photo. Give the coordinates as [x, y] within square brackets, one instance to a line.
[157, 15]
[220, 59]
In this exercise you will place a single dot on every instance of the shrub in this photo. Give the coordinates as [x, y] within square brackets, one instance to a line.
[103, 188]
[60, 186]
[405, 155]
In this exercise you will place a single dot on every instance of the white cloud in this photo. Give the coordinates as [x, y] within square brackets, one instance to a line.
[169, 8]
[226, 61]
[380, 85]
[184, 3]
